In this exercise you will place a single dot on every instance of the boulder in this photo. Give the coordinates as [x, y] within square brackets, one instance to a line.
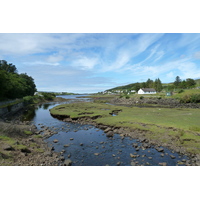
[159, 149]
[107, 129]
[110, 134]
[172, 156]
[67, 162]
[135, 145]
[133, 156]
[7, 147]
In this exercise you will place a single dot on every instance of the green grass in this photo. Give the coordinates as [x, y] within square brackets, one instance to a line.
[178, 126]
[28, 133]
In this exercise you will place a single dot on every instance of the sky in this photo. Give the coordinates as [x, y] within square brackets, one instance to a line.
[94, 62]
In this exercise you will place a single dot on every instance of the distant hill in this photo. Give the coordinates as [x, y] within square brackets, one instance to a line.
[137, 86]
[198, 82]
[125, 87]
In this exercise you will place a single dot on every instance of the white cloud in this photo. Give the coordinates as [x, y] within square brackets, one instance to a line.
[197, 55]
[85, 62]
[36, 63]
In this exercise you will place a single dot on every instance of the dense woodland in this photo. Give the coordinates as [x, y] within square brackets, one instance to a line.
[14, 85]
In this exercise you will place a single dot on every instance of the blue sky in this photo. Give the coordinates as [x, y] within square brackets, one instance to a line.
[95, 62]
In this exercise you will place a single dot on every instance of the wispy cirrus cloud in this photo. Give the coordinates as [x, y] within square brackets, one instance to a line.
[78, 61]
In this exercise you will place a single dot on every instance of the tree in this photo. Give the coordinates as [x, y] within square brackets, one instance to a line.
[14, 85]
[137, 86]
[190, 82]
[158, 85]
[10, 68]
[177, 82]
[149, 83]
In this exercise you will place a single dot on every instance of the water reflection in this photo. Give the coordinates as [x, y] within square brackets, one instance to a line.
[87, 146]
[46, 106]
[29, 114]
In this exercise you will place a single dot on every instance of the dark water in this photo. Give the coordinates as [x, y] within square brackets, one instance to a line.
[87, 145]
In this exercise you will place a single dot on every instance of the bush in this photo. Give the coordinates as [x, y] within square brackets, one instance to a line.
[48, 95]
[141, 97]
[127, 97]
[180, 91]
[193, 98]
[28, 99]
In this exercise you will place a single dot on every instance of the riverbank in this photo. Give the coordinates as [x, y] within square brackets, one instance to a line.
[21, 144]
[177, 129]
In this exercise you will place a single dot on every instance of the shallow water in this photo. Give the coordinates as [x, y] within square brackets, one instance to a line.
[87, 145]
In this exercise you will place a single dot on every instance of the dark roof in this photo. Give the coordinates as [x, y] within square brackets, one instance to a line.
[148, 89]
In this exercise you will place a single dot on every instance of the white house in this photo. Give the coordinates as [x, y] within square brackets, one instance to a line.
[146, 91]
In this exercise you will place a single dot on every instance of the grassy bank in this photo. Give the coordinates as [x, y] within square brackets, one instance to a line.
[179, 127]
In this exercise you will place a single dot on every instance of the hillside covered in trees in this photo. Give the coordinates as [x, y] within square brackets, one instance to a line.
[14, 85]
[158, 85]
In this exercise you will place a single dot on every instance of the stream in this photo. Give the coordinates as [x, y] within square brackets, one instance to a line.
[86, 145]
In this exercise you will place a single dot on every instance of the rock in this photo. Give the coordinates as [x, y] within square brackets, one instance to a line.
[47, 153]
[145, 145]
[107, 129]
[7, 147]
[66, 145]
[160, 149]
[67, 162]
[62, 158]
[135, 145]
[52, 148]
[162, 154]
[55, 141]
[81, 144]
[172, 156]
[96, 154]
[110, 134]
[163, 164]
[133, 156]
[137, 149]
[71, 138]
[118, 163]
[133, 164]
[25, 150]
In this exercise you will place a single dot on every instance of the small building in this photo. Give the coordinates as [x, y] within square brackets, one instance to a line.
[168, 93]
[146, 91]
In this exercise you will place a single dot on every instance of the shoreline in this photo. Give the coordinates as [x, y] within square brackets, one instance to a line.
[22, 145]
[194, 160]
[142, 133]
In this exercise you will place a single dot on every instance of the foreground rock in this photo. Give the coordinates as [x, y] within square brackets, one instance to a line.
[67, 162]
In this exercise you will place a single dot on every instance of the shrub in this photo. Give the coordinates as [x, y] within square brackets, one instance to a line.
[28, 99]
[127, 97]
[141, 97]
[180, 91]
[193, 98]
[48, 96]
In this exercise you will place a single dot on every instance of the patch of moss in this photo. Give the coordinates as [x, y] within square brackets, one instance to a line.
[28, 132]
[39, 150]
